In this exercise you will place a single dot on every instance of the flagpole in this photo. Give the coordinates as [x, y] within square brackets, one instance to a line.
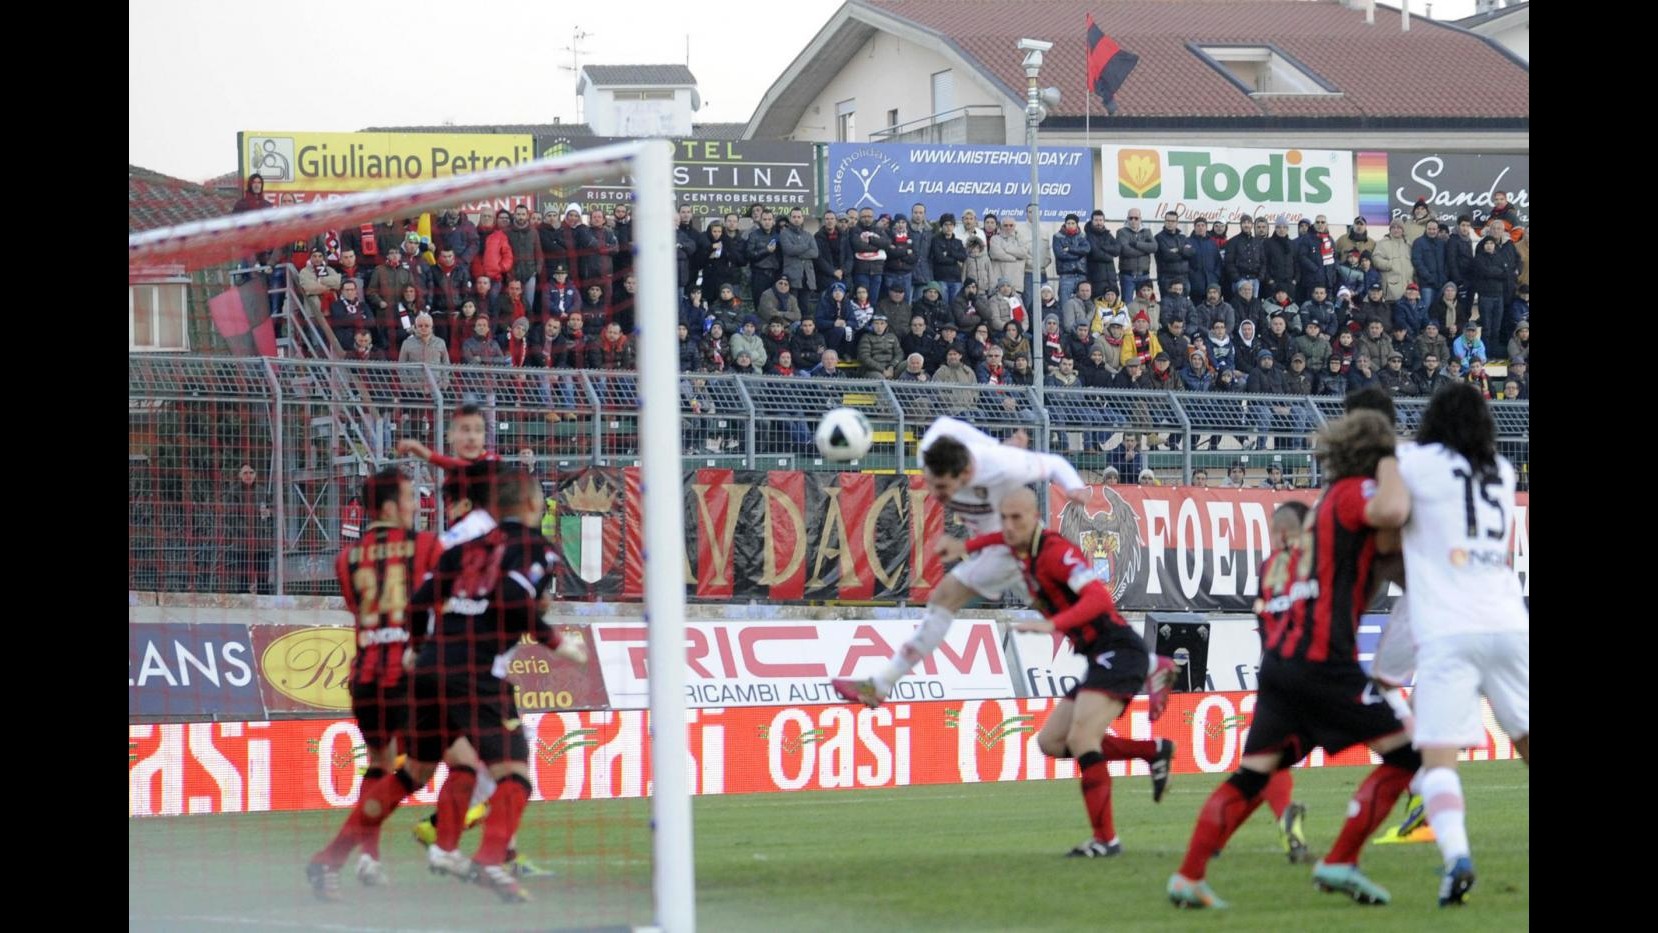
[1087, 105]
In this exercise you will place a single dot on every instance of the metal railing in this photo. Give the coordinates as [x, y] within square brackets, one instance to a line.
[975, 123]
[312, 429]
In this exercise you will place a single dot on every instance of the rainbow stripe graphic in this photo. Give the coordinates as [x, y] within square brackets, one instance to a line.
[1372, 180]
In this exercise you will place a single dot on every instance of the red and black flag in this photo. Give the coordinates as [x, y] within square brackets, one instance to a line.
[242, 316]
[1109, 65]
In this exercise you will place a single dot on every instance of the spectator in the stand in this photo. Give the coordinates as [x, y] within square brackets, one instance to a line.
[1345, 347]
[1318, 308]
[1140, 343]
[978, 265]
[799, 250]
[457, 233]
[900, 264]
[1076, 345]
[494, 258]
[526, 249]
[1489, 280]
[1395, 378]
[782, 365]
[1070, 247]
[878, 352]
[562, 296]
[623, 301]
[833, 314]
[450, 284]
[921, 238]
[1297, 381]
[1213, 309]
[948, 256]
[1004, 307]
[1246, 257]
[828, 366]
[518, 344]
[806, 344]
[551, 351]
[1107, 304]
[350, 313]
[1431, 343]
[715, 349]
[1403, 345]
[1103, 249]
[1469, 345]
[576, 339]
[1376, 307]
[868, 247]
[1100, 370]
[1417, 223]
[1246, 345]
[1519, 374]
[1009, 251]
[1048, 303]
[484, 294]
[1196, 376]
[1315, 258]
[717, 257]
[351, 271]
[1127, 458]
[892, 303]
[1136, 245]
[829, 265]
[775, 337]
[1519, 346]
[744, 363]
[1454, 370]
[728, 308]
[1349, 274]
[1460, 248]
[763, 247]
[1174, 254]
[1175, 304]
[560, 248]
[1448, 310]
[931, 305]
[361, 349]
[1200, 478]
[1278, 338]
[1078, 308]
[511, 304]
[1428, 258]
[1110, 476]
[597, 245]
[779, 302]
[1393, 259]
[1218, 348]
[1056, 345]
[955, 371]
[860, 312]
[1246, 306]
[594, 307]
[1314, 345]
[385, 288]
[1014, 342]
[1511, 391]
[1478, 377]
[747, 339]
[976, 345]
[1375, 344]
[1234, 477]
[1173, 340]
[1144, 303]
[1279, 254]
[460, 328]
[1357, 237]
[481, 347]
[688, 354]
[1275, 478]
[965, 307]
[918, 340]
[409, 304]
[1362, 375]
[1409, 311]
[1206, 269]
[246, 525]
[318, 283]
[422, 347]
[613, 350]
[1332, 378]
[994, 371]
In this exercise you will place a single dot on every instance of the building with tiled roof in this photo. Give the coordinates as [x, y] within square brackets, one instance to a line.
[155, 200]
[1308, 73]
[1506, 22]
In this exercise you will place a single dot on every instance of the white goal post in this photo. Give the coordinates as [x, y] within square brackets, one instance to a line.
[648, 163]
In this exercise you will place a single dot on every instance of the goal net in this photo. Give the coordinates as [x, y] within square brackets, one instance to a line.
[349, 358]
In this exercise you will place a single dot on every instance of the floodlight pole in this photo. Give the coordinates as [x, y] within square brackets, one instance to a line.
[1034, 114]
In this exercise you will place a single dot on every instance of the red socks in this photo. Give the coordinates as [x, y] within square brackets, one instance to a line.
[1224, 811]
[1278, 792]
[506, 808]
[453, 801]
[1096, 795]
[380, 795]
[1117, 748]
[1374, 799]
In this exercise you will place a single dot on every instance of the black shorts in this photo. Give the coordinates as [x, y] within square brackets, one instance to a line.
[1301, 705]
[1117, 665]
[480, 710]
[382, 713]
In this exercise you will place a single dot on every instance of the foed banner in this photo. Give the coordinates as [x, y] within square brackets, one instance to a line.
[889, 177]
[1454, 183]
[1226, 184]
[245, 767]
[792, 661]
[710, 176]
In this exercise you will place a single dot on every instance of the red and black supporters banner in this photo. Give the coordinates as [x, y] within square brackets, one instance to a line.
[590, 529]
[1108, 65]
[242, 317]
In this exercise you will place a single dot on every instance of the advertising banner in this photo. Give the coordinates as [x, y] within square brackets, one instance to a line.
[786, 535]
[1227, 184]
[236, 767]
[792, 661]
[196, 671]
[1454, 183]
[710, 176]
[300, 167]
[1047, 667]
[890, 177]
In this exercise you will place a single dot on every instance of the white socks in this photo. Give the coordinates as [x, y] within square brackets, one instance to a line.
[935, 622]
[484, 789]
[1442, 789]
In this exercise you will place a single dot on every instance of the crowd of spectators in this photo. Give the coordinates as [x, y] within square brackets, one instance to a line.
[1263, 306]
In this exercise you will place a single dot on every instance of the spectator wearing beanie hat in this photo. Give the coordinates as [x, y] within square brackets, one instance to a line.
[1410, 311]
[1071, 250]
[1417, 223]
[1432, 343]
[1519, 345]
[1140, 343]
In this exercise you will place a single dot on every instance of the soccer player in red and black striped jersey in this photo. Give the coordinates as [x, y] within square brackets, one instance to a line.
[1067, 591]
[1288, 520]
[377, 575]
[467, 434]
[491, 590]
[1312, 691]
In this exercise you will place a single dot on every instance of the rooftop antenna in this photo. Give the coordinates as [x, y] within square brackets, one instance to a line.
[575, 50]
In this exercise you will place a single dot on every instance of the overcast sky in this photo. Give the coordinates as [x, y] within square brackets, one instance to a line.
[201, 70]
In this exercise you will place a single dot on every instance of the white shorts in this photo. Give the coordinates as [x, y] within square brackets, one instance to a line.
[992, 573]
[1395, 658]
[1454, 671]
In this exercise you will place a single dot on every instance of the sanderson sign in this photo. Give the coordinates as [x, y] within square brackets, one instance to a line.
[1453, 183]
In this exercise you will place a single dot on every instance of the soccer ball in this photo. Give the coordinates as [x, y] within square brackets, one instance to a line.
[844, 434]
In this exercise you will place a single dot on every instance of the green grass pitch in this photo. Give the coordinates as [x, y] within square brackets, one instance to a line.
[971, 857]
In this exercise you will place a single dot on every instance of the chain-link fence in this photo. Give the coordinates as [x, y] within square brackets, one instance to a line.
[243, 473]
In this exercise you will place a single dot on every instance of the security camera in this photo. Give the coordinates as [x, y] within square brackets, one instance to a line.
[1035, 45]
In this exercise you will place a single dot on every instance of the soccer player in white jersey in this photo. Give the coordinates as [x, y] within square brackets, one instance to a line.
[969, 471]
[1467, 615]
